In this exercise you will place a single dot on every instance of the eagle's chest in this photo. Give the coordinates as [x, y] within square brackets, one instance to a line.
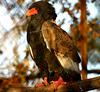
[35, 37]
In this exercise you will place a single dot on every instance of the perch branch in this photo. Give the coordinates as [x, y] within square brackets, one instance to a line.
[81, 86]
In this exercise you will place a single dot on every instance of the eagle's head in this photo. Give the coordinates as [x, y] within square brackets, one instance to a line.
[41, 9]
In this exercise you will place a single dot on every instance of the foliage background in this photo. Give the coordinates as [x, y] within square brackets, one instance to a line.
[15, 59]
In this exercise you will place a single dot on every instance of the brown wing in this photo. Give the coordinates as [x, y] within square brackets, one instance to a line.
[59, 41]
[61, 44]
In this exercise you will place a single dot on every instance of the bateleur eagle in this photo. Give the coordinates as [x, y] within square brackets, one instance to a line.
[53, 50]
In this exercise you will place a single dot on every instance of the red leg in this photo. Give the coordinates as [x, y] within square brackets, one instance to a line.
[58, 82]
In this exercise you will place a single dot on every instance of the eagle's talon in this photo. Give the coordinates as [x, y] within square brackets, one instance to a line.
[58, 82]
[45, 81]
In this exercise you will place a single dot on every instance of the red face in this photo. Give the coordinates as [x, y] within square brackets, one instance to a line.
[31, 12]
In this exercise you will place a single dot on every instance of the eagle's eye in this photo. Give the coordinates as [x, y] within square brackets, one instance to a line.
[31, 12]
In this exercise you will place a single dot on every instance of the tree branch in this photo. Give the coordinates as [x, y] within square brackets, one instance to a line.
[81, 86]
[83, 42]
[94, 71]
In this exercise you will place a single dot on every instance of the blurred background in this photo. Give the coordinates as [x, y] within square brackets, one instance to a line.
[15, 59]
